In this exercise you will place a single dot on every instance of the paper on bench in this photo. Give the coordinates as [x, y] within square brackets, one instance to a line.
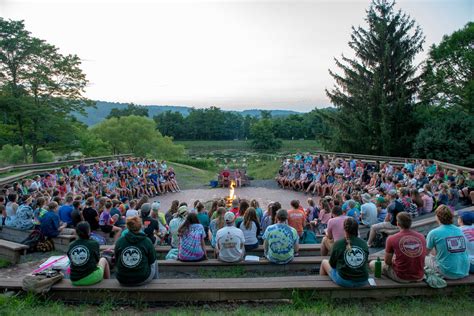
[62, 262]
[252, 258]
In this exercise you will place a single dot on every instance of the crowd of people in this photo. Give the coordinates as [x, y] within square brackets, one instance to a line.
[136, 223]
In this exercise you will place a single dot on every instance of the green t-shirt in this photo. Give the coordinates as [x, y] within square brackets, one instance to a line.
[350, 264]
[84, 255]
[135, 253]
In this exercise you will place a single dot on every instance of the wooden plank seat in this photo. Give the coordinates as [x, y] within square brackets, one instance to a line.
[12, 251]
[305, 250]
[61, 242]
[237, 289]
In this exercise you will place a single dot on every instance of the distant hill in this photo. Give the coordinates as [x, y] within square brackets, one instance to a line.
[103, 108]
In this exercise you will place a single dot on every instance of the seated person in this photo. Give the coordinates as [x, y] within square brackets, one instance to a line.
[106, 222]
[368, 211]
[136, 256]
[465, 221]
[404, 253]
[49, 223]
[281, 241]
[150, 225]
[176, 223]
[335, 230]
[251, 229]
[87, 268]
[451, 259]
[230, 241]
[347, 266]
[24, 214]
[191, 245]
[390, 222]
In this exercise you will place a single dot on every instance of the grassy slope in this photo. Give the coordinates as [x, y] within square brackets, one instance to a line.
[190, 177]
[456, 305]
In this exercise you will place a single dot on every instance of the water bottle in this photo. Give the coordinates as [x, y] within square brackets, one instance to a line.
[378, 268]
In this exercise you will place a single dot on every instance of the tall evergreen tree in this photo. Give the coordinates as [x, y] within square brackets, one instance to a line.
[375, 91]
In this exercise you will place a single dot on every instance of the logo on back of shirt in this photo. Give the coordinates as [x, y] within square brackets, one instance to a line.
[355, 257]
[131, 257]
[410, 246]
[79, 255]
[456, 244]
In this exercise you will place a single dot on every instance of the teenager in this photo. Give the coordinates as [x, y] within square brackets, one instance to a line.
[465, 222]
[296, 217]
[335, 230]
[106, 222]
[175, 223]
[217, 223]
[191, 245]
[280, 240]
[230, 241]
[251, 229]
[87, 268]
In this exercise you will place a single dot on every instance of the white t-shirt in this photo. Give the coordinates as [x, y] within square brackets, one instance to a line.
[230, 241]
[131, 213]
[250, 235]
[368, 213]
[339, 170]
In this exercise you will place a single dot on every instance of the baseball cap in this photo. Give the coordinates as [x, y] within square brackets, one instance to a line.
[229, 217]
[183, 210]
[467, 217]
[155, 206]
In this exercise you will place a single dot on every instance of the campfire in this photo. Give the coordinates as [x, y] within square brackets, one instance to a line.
[231, 196]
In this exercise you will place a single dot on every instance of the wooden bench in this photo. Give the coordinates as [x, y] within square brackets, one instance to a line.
[12, 251]
[61, 242]
[245, 181]
[305, 250]
[237, 289]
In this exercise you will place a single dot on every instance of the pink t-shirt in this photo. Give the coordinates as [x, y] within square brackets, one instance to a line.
[427, 203]
[336, 227]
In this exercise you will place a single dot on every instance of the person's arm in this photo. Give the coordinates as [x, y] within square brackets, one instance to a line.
[265, 247]
[258, 228]
[203, 245]
[388, 252]
[329, 231]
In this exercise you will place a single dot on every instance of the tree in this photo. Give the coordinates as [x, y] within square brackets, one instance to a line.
[374, 94]
[448, 139]
[40, 89]
[131, 109]
[263, 137]
[136, 135]
[171, 124]
[448, 74]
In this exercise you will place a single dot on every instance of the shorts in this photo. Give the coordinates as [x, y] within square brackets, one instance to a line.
[153, 274]
[93, 278]
[251, 247]
[345, 283]
[389, 272]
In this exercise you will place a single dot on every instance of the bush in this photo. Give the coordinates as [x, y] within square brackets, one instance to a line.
[12, 154]
[45, 156]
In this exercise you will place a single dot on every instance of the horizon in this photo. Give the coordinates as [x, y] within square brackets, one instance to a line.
[236, 55]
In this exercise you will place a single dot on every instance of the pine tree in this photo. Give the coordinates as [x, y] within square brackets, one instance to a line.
[374, 94]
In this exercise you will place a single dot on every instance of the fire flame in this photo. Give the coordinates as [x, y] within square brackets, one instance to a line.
[231, 191]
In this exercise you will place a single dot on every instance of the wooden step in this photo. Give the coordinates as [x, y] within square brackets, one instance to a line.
[12, 251]
[61, 243]
[237, 289]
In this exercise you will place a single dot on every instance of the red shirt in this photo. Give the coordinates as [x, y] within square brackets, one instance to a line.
[409, 248]
[235, 210]
[296, 219]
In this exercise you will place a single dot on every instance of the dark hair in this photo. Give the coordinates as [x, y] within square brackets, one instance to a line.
[174, 207]
[282, 215]
[12, 197]
[108, 204]
[351, 227]
[295, 203]
[199, 207]
[190, 219]
[83, 230]
[337, 211]
[76, 204]
[244, 205]
[404, 220]
[274, 209]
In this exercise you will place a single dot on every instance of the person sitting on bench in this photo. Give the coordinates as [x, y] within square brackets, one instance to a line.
[347, 266]
[230, 241]
[404, 253]
[281, 241]
[87, 268]
[390, 222]
[451, 259]
[465, 221]
[191, 245]
[335, 230]
[136, 256]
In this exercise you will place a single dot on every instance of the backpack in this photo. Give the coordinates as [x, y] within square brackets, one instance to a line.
[379, 240]
[41, 282]
[412, 209]
[45, 245]
[100, 239]
[308, 237]
[32, 240]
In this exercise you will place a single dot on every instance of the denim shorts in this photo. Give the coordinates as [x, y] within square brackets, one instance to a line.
[343, 282]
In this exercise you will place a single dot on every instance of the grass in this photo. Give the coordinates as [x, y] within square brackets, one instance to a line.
[191, 177]
[263, 170]
[197, 147]
[4, 263]
[302, 303]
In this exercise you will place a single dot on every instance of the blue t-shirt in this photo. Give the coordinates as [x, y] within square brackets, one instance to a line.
[49, 224]
[354, 213]
[65, 212]
[451, 250]
[281, 240]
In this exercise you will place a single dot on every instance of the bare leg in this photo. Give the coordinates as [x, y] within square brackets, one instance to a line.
[105, 265]
[325, 267]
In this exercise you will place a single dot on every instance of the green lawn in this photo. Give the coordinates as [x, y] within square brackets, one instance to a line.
[204, 147]
[190, 177]
[458, 304]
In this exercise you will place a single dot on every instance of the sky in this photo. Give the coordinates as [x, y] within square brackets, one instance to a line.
[232, 54]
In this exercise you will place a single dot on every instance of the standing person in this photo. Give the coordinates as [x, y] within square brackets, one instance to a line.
[230, 241]
[404, 253]
[368, 211]
[136, 256]
[465, 222]
[176, 223]
[280, 240]
[191, 246]
[451, 259]
[348, 264]
[335, 230]
[296, 217]
[251, 229]
[87, 268]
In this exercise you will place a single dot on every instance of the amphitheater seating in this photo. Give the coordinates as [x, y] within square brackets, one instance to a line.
[11, 251]
[61, 243]
[237, 289]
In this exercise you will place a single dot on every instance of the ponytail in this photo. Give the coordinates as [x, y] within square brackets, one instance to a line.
[351, 227]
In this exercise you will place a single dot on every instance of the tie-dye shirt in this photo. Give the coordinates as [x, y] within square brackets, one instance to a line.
[281, 240]
[190, 247]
